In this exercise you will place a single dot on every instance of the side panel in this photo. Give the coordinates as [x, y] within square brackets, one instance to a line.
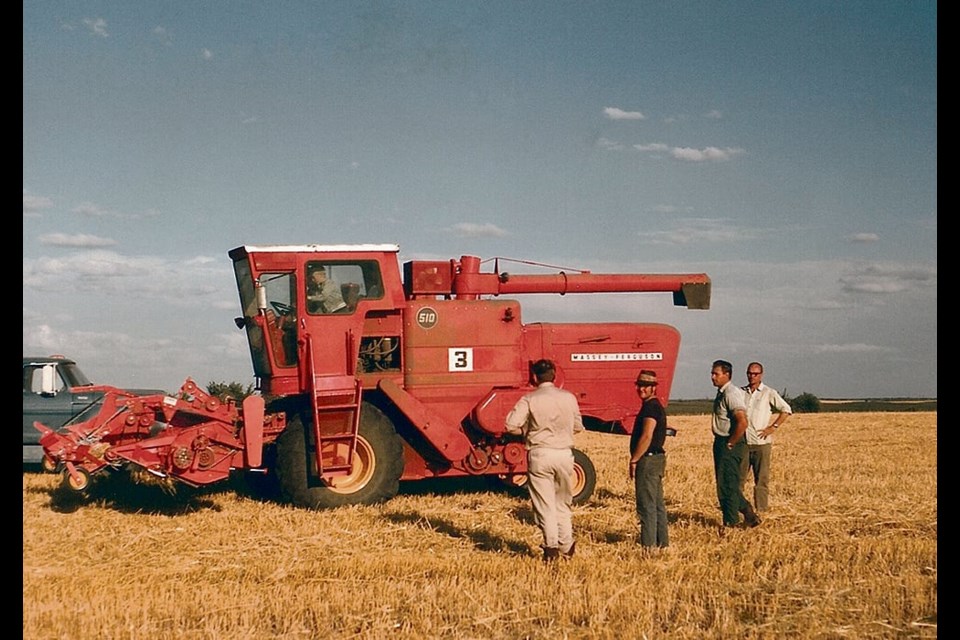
[455, 351]
[600, 363]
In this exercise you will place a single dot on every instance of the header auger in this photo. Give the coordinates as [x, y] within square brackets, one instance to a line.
[379, 379]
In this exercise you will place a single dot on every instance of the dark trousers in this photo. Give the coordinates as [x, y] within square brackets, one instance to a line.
[651, 507]
[726, 466]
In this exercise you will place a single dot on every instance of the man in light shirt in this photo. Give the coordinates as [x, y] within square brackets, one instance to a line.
[763, 403]
[547, 418]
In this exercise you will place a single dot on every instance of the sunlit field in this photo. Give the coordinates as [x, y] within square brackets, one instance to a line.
[847, 550]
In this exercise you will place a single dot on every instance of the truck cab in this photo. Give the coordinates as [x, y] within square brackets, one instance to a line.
[56, 392]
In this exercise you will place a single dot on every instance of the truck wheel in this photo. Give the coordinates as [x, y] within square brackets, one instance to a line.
[584, 479]
[377, 464]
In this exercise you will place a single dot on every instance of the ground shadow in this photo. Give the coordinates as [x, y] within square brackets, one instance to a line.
[116, 491]
[483, 539]
[450, 486]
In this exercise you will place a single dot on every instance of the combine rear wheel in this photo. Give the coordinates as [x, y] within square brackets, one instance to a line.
[377, 464]
[584, 479]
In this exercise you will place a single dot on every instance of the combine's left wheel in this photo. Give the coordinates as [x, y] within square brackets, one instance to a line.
[377, 466]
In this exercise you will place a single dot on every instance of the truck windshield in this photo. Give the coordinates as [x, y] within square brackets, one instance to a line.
[73, 376]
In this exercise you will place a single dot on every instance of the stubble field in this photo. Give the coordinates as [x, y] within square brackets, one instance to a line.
[848, 550]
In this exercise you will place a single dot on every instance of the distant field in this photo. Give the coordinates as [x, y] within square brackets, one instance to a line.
[702, 406]
[847, 551]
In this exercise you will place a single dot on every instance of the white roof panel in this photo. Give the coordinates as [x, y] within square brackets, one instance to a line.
[320, 248]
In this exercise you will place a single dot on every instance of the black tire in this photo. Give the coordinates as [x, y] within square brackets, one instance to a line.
[378, 464]
[584, 479]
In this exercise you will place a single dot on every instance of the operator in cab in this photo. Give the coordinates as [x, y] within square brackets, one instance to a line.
[323, 294]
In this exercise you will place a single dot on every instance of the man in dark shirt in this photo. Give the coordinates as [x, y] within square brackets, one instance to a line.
[648, 461]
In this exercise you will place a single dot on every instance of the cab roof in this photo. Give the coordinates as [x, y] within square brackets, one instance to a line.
[316, 248]
[55, 359]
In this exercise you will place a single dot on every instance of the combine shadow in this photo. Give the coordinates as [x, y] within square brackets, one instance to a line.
[482, 539]
[448, 486]
[118, 492]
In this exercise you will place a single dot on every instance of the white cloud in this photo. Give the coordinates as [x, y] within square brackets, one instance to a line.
[888, 278]
[713, 115]
[108, 274]
[700, 230]
[613, 113]
[94, 211]
[97, 26]
[669, 208]
[864, 237]
[608, 144]
[851, 348]
[206, 54]
[162, 35]
[708, 154]
[32, 205]
[653, 147]
[827, 305]
[473, 230]
[75, 240]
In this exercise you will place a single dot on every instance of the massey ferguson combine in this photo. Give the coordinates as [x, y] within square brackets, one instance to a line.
[390, 379]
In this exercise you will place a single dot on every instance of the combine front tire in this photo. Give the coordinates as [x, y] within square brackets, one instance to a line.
[377, 465]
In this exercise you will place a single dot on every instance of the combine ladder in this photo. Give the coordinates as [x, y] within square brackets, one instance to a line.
[336, 418]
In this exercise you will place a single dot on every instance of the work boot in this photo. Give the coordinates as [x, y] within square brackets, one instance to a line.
[569, 552]
[750, 517]
[551, 554]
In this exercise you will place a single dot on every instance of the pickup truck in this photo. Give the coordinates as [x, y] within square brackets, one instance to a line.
[55, 392]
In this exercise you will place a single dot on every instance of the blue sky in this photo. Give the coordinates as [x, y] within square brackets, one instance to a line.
[788, 150]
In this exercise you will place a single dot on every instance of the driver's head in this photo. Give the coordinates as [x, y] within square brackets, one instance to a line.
[319, 275]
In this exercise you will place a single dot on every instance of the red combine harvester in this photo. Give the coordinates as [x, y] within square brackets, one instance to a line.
[390, 379]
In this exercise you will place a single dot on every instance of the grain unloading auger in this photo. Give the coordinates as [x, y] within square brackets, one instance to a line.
[397, 379]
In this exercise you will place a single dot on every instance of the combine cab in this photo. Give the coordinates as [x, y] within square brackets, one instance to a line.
[368, 378]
